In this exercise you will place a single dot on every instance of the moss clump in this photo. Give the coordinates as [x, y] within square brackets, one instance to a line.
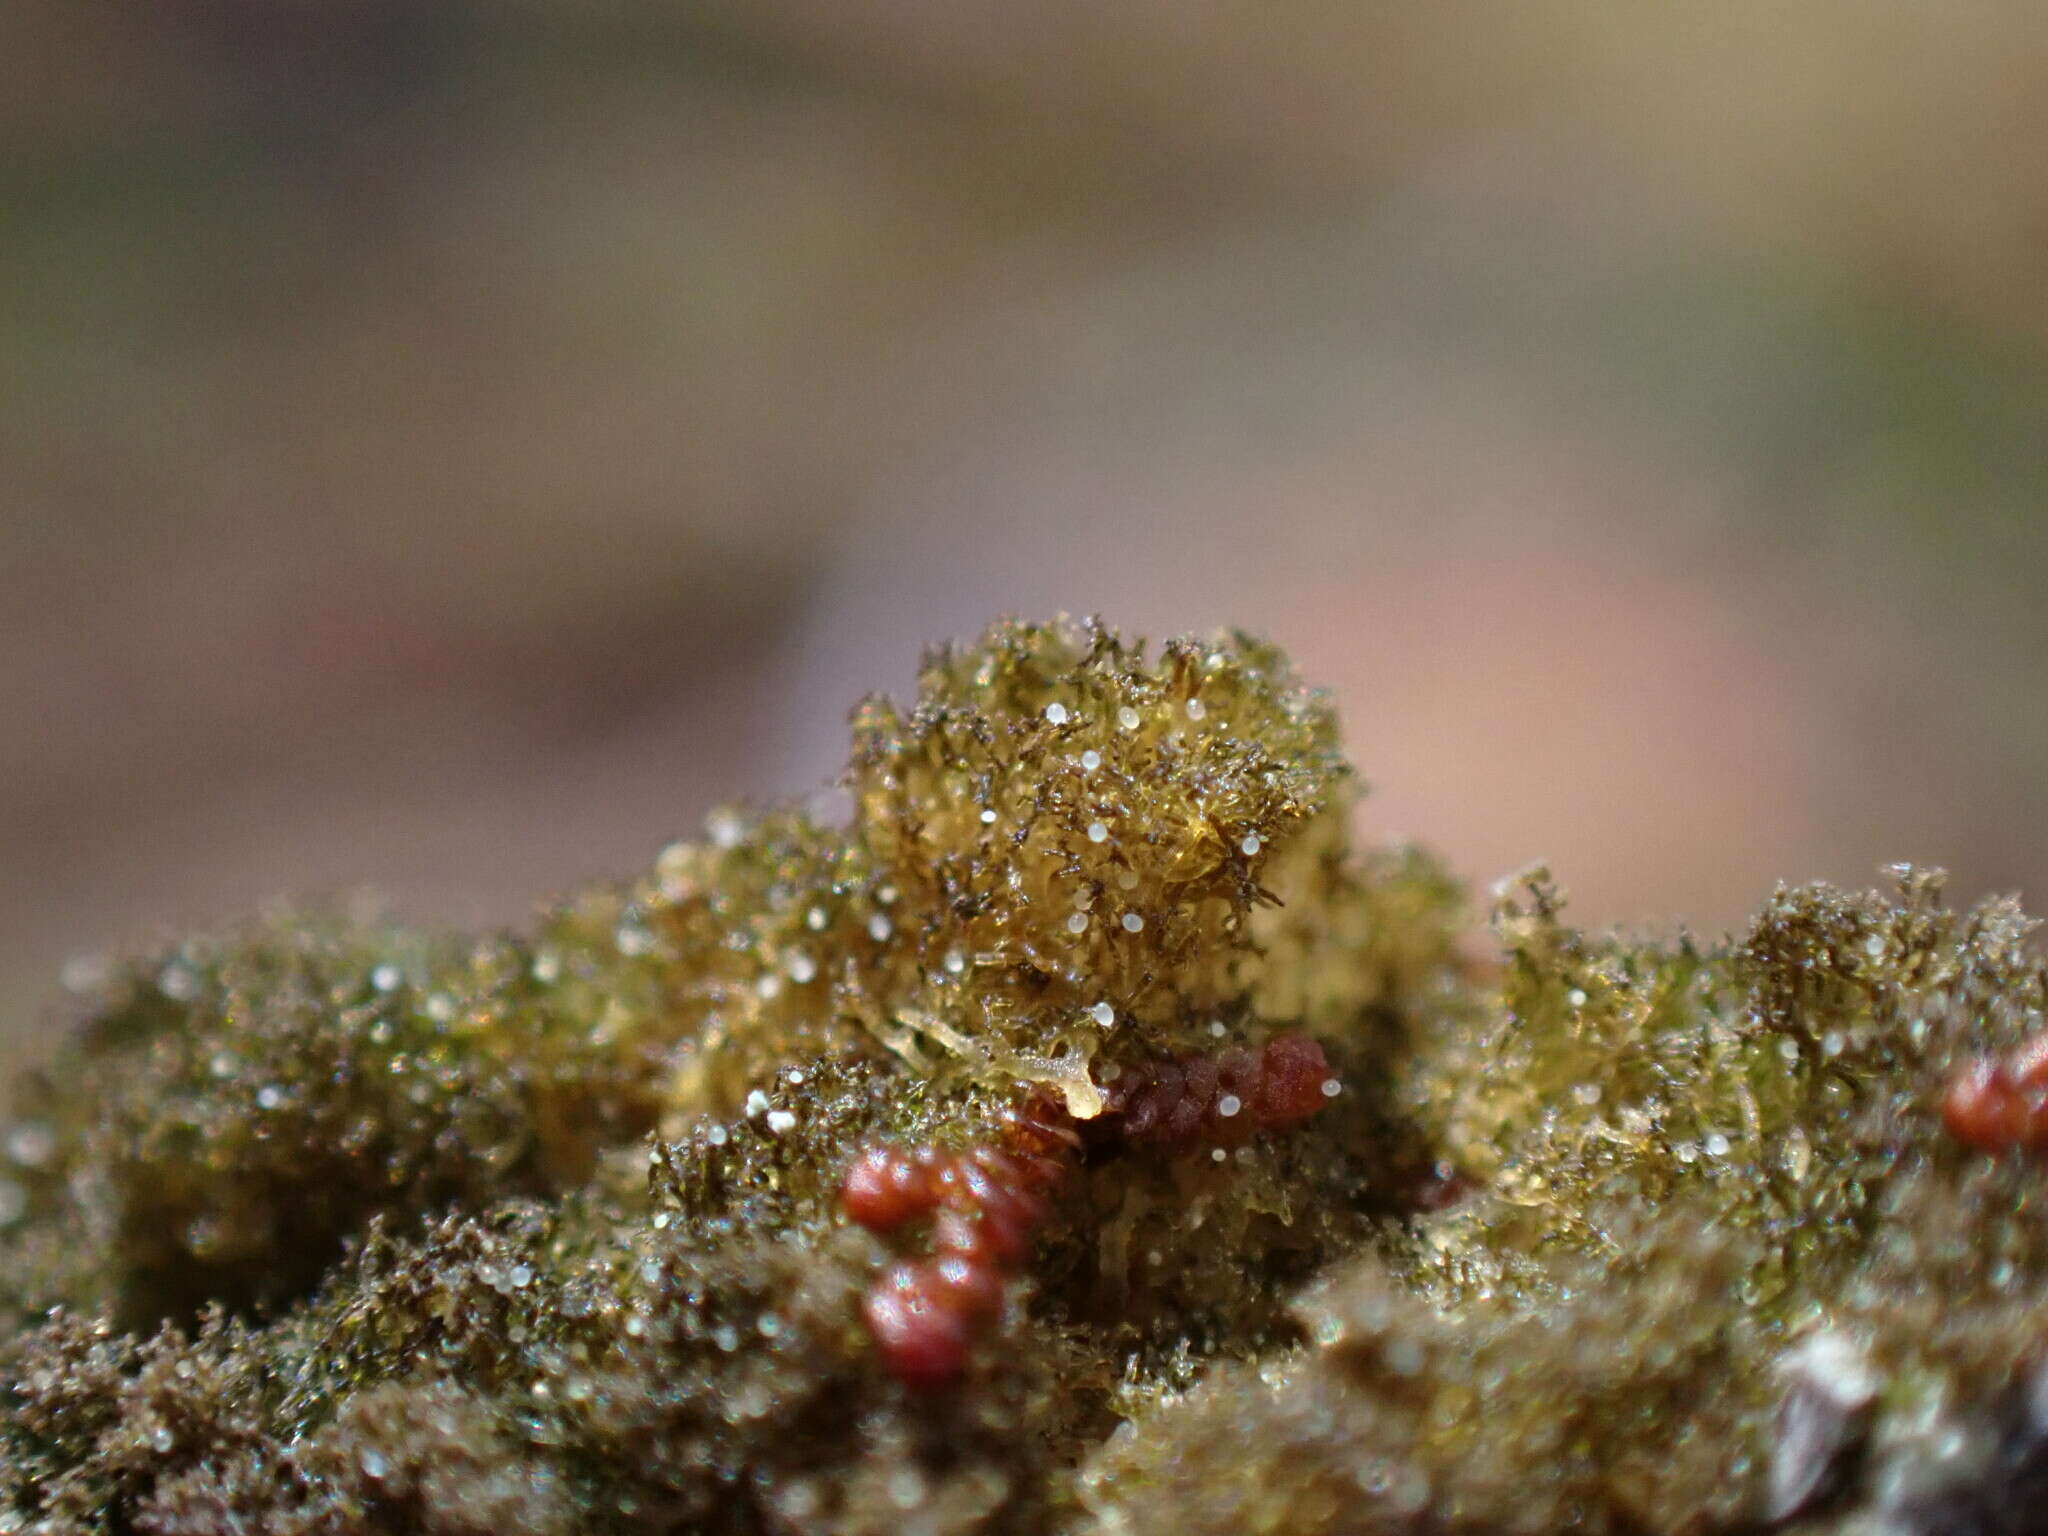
[323, 1226]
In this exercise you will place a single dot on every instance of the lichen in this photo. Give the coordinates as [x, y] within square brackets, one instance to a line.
[324, 1225]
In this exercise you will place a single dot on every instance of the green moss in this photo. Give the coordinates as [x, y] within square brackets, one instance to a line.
[325, 1226]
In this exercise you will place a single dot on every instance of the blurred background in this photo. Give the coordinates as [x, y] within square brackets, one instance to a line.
[446, 447]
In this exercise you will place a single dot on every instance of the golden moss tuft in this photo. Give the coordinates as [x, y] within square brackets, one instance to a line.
[323, 1226]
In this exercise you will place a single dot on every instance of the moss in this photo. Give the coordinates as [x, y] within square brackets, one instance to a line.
[325, 1226]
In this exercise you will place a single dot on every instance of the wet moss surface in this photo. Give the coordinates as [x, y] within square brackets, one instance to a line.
[320, 1225]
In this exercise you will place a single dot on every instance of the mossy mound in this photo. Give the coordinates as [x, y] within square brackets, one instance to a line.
[325, 1226]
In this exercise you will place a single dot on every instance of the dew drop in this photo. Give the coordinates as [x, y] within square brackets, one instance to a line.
[1091, 760]
[1078, 923]
[1103, 1014]
[879, 928]
[1332, 1087]
[1127, 717]
[1197, 709]
[30, 1144]
[1229, 1105]
[802, 968]
[1098, 832]
[1251, 844]
[1133, 923]
[386, 977]
[988, 818]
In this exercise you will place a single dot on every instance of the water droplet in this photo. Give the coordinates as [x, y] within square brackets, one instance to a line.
[780, 1120]
[955, 961]
[879, 928]
[1716, 1145]
[30, 1144]
[373, 1462]
[1229, 1105]
[1078, 923]
[386, 978]
[802, 968]
[724, 828]
[1197, 709]
[269, 1096]
[769, 985]
[1103, 1014]
[1251, 845]
[1332, 1087]
[815, 919]
[1127, 717]
[1056, 713]
[1098, 832]
[1576, 997]
[1217, 1154]
[178, 983]
[757, 1103]
[716, 1136]
[1133, 923]
[1091, 760]
[1587, 1094]
[988, 818]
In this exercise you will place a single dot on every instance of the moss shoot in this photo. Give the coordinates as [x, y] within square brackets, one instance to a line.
[321, 1225]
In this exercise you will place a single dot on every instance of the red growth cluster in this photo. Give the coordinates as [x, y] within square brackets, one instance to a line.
[983, 1206]
[2001, 1104]
[1222, 1099]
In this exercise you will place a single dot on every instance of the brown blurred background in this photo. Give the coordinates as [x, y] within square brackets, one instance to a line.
[445, 447]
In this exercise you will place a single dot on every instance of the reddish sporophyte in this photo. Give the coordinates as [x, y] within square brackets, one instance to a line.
[980, 1208]
[2000, 1104]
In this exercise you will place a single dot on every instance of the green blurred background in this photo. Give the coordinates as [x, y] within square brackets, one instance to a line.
[445, 447]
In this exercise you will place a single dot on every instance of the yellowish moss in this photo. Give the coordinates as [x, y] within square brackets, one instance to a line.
[321, 1226]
